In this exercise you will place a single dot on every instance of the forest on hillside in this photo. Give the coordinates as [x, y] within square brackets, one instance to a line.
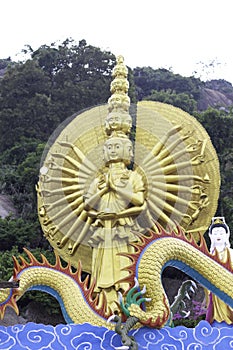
[56, 81]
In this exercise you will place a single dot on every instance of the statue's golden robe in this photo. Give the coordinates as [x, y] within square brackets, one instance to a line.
[112, 237]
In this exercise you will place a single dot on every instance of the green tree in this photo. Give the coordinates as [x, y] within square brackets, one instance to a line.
[24, 105]
[148, 79]
[79, 75]
[180, 100]
[20, 233]
[56, 82]
[19, 173]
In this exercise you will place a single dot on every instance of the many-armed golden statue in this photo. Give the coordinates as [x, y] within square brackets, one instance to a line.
[99, 191]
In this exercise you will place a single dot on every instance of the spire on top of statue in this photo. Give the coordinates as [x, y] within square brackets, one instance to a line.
[119, 120]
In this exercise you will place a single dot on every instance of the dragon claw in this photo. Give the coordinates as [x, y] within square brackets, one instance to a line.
[143, 291]
[111, 318]
[192, 289]
[194, 286]
[148, 299]
[136, 284]
[120, 297]
[185, 314]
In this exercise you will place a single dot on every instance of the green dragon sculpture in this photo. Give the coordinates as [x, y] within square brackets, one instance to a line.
[153, 254]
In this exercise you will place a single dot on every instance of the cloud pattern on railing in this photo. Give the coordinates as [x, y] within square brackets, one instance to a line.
[87, 337]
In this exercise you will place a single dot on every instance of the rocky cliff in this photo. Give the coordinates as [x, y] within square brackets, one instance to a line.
[6, 207]
[216, 94]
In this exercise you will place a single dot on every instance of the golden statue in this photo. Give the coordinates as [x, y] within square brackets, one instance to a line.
[98, 191]
[114, 200]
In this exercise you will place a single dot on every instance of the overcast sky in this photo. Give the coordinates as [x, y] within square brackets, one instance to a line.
[176, 34]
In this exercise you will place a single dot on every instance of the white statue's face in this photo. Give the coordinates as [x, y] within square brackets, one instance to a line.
[219, 236]
[113, 150]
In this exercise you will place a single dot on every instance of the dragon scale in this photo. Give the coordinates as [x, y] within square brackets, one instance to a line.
[170, 251]
[62, 285]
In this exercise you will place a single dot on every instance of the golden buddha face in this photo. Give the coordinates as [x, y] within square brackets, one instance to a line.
[119, 85]
[118, 121]
[119, 101]
[128, 151]
[117, 150]
[114, 121]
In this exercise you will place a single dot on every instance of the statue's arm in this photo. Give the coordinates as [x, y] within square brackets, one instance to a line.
[129, 193]
[94, 194]
[94, 199]
[136, 199]
[136, 210]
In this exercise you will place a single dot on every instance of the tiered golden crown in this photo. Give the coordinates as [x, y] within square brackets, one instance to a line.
[119, 122]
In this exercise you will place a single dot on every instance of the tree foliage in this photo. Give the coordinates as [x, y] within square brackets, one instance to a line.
[148, 79]
[19, 174]
[20, 233]
[180, 100]
[37, 95]
[79, 75]
[24, 105]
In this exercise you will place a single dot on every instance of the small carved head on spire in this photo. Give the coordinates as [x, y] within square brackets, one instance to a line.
[120, 70]
[119, 118]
